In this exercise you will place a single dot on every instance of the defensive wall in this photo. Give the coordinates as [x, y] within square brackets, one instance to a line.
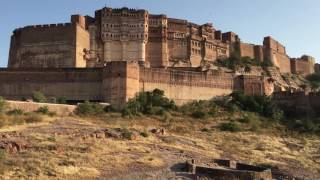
[49, 46]
[299, 100]
[119, 81]
[304, 65]
[134, 34]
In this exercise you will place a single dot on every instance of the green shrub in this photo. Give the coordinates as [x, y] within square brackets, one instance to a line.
[230, 126]
[199, 114]
[109, 109]
[149, 103]
[234, 62]
[39, 97]
[205, 130]
[126, 134]
[88, 109]
[15, 112]
[3, 105]
[61, 100]
[144, 134]
[43, 110]
[262, 105]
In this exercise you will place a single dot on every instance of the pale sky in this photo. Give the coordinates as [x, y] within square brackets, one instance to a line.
[294, 23]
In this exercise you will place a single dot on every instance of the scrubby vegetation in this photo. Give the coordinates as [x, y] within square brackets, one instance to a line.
[89, 109]
[45, 110]
[39, 97]
[243, 62]
[151, 103]
[314, 80]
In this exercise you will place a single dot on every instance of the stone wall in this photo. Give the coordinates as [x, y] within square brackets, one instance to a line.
[72, 84]
[226, 169]
[299, 100]
[59, 109]
[121, 80]
[276, 54]
[48, 46]
[184, 86]
[304, 65]
[317, 67]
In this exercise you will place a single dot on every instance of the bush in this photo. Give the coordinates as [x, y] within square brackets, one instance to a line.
[3, 105]
[236, 62]
[205, 130]
[15, 112]
[230, 126]
[45, 111]
[88, 109]
[39, 97]
[152, 103]
[262, 105]
[61, 100]
[144, 134]
[109, 109]
[126, 134]
[199, 114]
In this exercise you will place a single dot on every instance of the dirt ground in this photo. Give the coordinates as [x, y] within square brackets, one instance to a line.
[92, 148]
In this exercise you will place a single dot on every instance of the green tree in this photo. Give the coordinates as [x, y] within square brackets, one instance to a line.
[39, 97]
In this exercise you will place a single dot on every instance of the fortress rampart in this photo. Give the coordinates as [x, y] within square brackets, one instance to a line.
[118, 82]
[134, 34]
[119, 52]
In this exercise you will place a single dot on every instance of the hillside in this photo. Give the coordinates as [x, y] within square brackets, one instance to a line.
[113, 146]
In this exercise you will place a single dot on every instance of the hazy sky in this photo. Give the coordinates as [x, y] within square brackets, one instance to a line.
[295, 23]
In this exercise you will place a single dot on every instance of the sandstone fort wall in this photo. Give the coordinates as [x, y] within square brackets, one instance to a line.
[184, 86]
[276, 54]
[73, 84]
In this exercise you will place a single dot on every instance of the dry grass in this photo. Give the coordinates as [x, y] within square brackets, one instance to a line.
[68, 156]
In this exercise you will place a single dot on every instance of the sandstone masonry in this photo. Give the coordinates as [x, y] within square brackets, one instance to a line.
[119, 52]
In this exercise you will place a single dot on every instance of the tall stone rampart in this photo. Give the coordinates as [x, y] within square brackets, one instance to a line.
[49, 46]
[72, 84]
[276, 54]
[184, 86]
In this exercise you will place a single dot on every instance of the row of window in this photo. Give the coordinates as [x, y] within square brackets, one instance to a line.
[123, 15]
[109, 35]
[124, 25]
[156, 22]
[195, 51]
[181, 43]
[195, 43]
[222, 51]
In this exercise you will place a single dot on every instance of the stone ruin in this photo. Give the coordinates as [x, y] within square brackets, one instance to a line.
[227, 170]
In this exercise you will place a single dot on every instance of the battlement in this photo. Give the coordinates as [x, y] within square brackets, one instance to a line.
[304, 65]
[230, 37]
[123, 12]
[177, 21]
[157, 16]
[273, 44]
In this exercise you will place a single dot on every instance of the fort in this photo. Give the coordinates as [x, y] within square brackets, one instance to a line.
[120, 52]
